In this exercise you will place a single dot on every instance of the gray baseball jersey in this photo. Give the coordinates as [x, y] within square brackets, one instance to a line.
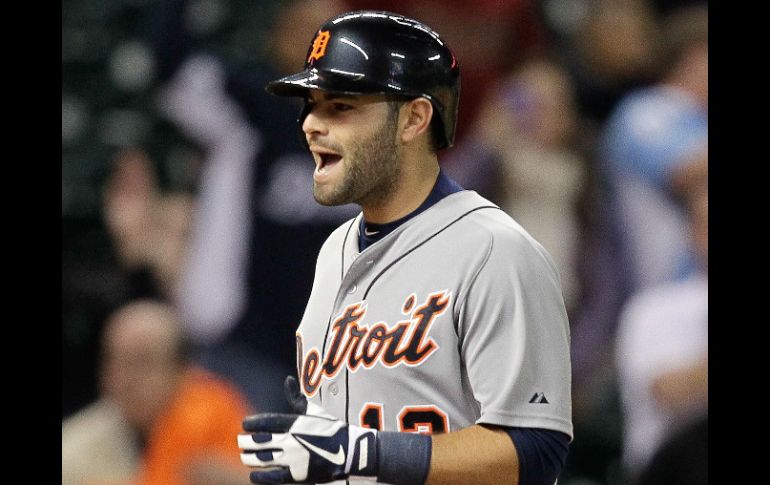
[454, 318]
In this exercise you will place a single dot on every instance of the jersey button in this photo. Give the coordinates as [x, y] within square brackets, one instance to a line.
[333, 388]
[352, 289]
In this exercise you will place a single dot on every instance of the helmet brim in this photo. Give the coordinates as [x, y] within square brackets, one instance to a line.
[337, 82]
[294, 85]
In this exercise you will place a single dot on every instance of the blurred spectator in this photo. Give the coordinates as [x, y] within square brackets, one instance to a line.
[639, 227]
[662, 354]
[149, 229]
[608, 46]
[654, 149]
[251, 262]
[143, 238]
[159, 420]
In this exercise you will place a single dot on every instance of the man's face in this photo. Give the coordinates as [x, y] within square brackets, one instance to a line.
[140, 370]
[354, 144]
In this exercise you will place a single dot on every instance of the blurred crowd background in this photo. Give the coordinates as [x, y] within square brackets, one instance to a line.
[186, 200]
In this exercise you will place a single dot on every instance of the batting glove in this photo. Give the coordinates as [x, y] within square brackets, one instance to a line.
[306, 449]
[313, 446]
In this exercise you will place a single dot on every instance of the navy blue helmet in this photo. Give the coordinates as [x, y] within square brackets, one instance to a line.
[375, 52]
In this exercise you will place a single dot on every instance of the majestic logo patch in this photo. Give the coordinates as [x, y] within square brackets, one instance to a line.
[354, 345]
[319, 45]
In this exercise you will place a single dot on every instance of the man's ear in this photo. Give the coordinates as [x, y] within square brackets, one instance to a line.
[417, 116]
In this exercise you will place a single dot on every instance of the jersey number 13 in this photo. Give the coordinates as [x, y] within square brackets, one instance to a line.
[412, 419]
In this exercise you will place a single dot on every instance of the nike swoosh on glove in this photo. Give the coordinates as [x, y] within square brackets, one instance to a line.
[292, 448]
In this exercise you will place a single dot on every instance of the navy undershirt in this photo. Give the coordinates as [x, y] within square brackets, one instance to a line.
[369, 233]
[542, 452]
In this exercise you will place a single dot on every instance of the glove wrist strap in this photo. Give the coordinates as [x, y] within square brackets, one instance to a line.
[403, 458]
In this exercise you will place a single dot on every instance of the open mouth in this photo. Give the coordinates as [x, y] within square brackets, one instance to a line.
[325, 159]
[328, 160]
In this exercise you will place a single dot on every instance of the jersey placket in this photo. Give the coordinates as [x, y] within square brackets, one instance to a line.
[354, 284]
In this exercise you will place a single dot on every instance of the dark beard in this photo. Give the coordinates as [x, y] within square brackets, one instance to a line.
[373, 169]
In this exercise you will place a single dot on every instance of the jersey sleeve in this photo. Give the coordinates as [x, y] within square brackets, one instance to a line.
[514, 336]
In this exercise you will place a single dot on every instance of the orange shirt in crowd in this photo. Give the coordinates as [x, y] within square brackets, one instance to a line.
[203, 420]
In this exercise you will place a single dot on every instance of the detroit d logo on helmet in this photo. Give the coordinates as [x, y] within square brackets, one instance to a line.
[319, 46]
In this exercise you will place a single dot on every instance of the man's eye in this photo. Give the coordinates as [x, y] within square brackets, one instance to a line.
[342, 107]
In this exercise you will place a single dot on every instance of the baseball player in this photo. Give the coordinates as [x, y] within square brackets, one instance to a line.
[434, 347]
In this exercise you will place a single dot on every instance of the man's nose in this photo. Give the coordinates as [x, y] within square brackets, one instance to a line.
[313, 124]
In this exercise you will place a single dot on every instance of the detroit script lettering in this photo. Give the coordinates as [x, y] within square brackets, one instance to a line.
[354, 344]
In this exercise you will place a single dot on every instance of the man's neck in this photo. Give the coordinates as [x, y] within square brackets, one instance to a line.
[369, 233]
[413, 187]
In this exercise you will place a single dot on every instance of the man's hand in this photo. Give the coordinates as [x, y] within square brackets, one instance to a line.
[309, 446]
[299, 402]
[291, 448]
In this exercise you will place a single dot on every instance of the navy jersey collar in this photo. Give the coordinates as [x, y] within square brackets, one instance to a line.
[369, 233]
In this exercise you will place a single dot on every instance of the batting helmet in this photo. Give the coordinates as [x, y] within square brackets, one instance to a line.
[374, 52]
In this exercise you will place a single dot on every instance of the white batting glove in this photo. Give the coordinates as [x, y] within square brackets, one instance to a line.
[291, 448]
